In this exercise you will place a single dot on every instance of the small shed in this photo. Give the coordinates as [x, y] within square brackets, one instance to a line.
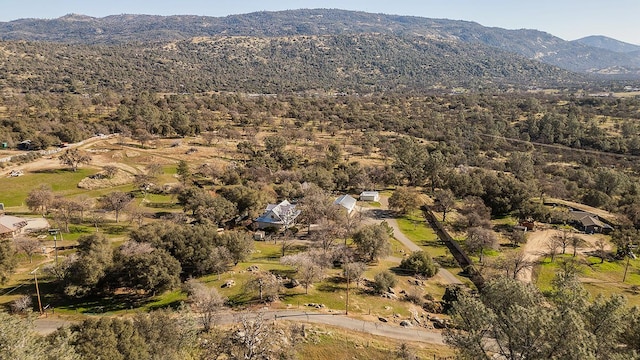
[259, 235]
[528, 225]
[369, 196]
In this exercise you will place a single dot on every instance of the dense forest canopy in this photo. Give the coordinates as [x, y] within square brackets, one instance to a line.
[364, 63]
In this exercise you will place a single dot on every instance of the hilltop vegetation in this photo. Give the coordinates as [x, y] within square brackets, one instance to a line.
[120, 29]
[364, 63]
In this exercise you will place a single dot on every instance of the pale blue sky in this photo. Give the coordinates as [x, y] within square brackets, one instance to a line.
[568, 19]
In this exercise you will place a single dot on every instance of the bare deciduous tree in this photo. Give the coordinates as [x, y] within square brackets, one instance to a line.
[21, 304]
[325, 236]
[255, 338]
[39, 199]
[307, 269]
[208, 137]
[266, 285]
[84, 203]
[206, 301]
[563, 239]
[115, 201]
[514, 263]
[353, 271]
[601, 246]
[576, 242]
[479, 239]
[63, 210]
[444, 200]
[551, 247]
[110, 171]
[27, 245]
[136, 213]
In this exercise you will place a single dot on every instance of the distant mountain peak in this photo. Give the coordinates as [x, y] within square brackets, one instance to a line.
[76, 17]
[607, 43]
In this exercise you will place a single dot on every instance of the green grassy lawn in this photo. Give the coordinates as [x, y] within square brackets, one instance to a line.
[505, 220]
[100, 192]
[397, 248]
[331, 291]
[597, 278]
[415, 228]
[61, 181]
[168, 299]
[170, 170]
[372, 204]
[419, 232]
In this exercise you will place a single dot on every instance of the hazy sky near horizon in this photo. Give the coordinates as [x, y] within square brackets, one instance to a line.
[567, 19]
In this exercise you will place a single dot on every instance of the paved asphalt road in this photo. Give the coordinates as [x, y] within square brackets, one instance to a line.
[48, 325]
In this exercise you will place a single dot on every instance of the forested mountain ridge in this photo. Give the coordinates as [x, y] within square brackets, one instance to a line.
[604, 42]
[116, 29]
[362, 63]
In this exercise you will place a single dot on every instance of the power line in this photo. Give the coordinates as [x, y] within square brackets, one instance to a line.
[12, 290]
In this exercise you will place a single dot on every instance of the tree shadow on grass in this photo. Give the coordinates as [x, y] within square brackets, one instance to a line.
[242, 298]
[173, 305]
[115, 229]
[433, 243]
[285, 273]
[162, 205]
[99, 304]
[51, 171]
[331, 284]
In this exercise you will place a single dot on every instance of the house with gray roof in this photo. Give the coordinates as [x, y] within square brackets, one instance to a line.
[282, 215]
[11, 226]
[588, 222]
[347, 202]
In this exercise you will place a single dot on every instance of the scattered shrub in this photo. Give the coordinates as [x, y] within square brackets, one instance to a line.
[419, 263]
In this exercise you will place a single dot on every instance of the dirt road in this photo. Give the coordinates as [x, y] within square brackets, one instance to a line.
[49, 161]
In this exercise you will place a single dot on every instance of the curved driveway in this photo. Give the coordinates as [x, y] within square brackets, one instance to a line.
[445, 276]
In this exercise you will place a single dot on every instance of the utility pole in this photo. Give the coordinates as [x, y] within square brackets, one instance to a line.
[626, 267]
[55, 232]
[346, 307]
[35, 277]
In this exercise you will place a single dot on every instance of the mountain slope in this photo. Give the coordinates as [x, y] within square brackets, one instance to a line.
[607, 43]
[334, 63]
[532, 44]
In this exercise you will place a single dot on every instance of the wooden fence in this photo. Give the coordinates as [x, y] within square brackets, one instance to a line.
[456, 250]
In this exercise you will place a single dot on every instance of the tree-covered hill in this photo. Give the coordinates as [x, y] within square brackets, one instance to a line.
[119, 29]
[604, 42]
[361, 63]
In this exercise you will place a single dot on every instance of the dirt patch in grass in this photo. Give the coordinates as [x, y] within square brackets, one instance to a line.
[99, 181]
[326, 342]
